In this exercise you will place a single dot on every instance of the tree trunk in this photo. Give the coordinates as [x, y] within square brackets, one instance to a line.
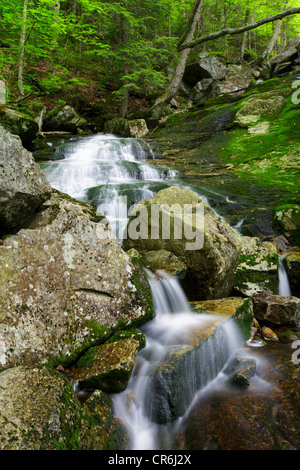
[188, 35]
[271, 44]
[22, 50]
[245, 37]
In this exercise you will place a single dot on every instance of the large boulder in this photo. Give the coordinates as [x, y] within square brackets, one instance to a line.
[23, 186]
[193, 232]
[64, 119]
[65, 285]
[39, 410]
[237, 80]
[284, 61]
[276, 310]
[19, 124]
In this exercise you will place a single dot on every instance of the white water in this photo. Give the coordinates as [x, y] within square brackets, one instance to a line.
[140, 404]
[284, 284]
[109, 172]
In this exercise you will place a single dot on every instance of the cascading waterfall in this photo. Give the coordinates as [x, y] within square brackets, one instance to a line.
[284, 284]
[142, 405]
[108, 172]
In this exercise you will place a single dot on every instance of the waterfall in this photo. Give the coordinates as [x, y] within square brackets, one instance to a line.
[284, 284]
[144, 406]
[109, 172]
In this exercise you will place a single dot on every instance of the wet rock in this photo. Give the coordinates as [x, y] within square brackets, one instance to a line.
[19, 124]
[66, 284]
[276, 310]
[269, 334]
[240, 370]
[23, 186]
[292, 265]
[39, 410]
[126, 128]
[107, 367]
[208, 246]
[257, 270]
[64, 119]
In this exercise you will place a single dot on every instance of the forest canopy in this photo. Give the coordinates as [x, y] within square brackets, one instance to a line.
[55, 47]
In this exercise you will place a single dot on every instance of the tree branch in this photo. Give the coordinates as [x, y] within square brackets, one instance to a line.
[242, 29]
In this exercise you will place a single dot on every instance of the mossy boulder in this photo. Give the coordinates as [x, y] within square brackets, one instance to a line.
[275, 310]
[19, 124]
[39, 410]
[260, 105]
[287, 221]
[178, 221]
[66, 285]
[257, 270]
[107, 367]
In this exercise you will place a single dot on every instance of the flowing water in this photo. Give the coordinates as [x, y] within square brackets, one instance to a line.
[284, 284]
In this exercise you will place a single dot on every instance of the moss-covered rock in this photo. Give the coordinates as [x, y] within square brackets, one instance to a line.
[107, 367]
[39, 410]
[64, 119]
[126, 127]
[166, 261]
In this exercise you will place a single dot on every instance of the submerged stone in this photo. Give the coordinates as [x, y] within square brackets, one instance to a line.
[240, 370]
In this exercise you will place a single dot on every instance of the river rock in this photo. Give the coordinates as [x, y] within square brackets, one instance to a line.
[276, 310]
[287, 220]
[240, 369]
[39, 410]
[257, 270]
[19, 124]
[292, 265]
[269, 334]
[23, 186]
[192, 231]
[127, 128]
[66, 284]
[64, 119]
[107, 367]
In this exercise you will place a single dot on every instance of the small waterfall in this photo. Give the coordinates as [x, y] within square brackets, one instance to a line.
[284, 284]
[144, 407]
[109, 172]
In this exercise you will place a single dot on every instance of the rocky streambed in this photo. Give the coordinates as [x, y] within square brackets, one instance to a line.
[75, 302]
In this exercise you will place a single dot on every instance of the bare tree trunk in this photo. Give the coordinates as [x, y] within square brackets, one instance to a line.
[245, 37]
[188, 35]
[271, 44]
[22, 50]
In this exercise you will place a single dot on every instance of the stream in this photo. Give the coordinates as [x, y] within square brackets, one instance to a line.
[113, 174]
